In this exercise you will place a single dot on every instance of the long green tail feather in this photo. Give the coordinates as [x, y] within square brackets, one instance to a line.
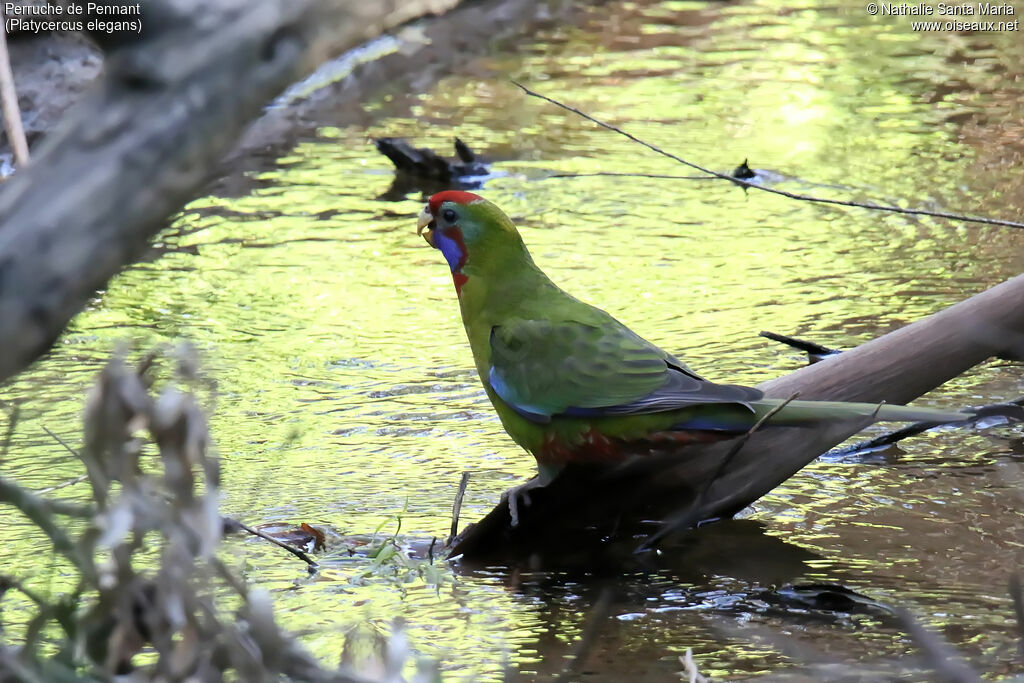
[798, 413]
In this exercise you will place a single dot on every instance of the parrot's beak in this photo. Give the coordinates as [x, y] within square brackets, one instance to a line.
[426, 222]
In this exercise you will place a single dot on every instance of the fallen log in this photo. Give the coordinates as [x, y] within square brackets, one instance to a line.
[170, 104]
[600, 509]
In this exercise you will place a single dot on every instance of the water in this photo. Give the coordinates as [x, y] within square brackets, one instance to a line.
[345, 394]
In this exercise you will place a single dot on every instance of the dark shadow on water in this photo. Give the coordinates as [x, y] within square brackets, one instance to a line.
[609, 614]
[406, 186]
[740, 549]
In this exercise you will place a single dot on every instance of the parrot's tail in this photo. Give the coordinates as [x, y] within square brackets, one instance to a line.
[797, 413]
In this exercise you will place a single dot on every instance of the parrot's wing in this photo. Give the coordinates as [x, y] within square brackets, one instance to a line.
[543, 368]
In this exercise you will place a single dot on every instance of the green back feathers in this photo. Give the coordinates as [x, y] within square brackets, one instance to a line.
[543, 351]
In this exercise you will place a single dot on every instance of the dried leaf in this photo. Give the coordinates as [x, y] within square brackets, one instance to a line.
[304, 537]
[319, 537]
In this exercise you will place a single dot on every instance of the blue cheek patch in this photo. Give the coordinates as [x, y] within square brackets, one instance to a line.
[450, 248]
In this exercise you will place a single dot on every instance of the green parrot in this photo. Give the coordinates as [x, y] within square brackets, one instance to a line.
[571, 383]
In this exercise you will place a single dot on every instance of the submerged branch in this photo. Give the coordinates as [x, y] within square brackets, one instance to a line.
[267, 537]
[1011, 410]
[615, 174]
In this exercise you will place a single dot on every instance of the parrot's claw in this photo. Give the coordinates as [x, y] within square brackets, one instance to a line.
[516, 493]
[513, 506]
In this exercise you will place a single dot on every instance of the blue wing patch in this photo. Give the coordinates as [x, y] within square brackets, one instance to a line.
[501, 388]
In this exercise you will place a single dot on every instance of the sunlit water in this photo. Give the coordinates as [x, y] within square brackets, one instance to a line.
[345, 394]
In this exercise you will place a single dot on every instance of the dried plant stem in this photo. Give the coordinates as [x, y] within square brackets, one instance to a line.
[691, 515]
[457, 507]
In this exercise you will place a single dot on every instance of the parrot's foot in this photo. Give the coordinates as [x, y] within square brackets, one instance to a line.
[520, 493]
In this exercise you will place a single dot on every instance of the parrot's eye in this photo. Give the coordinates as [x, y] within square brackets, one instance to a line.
[449, 215]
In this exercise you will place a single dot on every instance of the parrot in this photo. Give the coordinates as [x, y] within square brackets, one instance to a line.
[569, 382]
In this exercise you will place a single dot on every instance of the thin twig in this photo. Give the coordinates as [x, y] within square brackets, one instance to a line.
[1011, 410]
[69, 482]
[26, 500]
[772, 190]
[689, 517]
[666, 176]
[810, 348]
[266, 537]
[457, 507]
[886, 439]
[61, 441]
[744, 439]
[63, 485]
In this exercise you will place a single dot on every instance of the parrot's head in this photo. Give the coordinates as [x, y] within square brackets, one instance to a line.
[475, 236]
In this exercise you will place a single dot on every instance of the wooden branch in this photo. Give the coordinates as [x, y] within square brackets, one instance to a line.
[145, 140]
[895, 368]
[586, 506]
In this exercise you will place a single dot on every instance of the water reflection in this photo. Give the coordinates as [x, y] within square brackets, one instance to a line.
[345, 392]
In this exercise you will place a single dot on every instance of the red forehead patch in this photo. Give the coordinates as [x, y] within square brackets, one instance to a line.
[456, 196]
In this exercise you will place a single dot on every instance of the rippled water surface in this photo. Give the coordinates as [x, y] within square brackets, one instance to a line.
[345, 393]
